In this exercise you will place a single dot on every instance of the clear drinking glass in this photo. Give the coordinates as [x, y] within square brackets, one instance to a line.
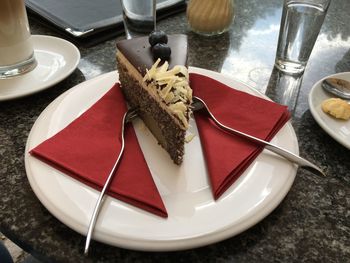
[16, 50]
[139, 17]
[300, 25]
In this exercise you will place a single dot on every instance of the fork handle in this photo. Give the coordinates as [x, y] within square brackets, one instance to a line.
[293, 157]
[103, 191]
[273, 148]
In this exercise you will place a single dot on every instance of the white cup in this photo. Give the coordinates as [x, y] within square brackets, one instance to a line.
[16, 49]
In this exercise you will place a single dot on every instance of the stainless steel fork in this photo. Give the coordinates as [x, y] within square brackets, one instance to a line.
[199, 104]
[128, 116]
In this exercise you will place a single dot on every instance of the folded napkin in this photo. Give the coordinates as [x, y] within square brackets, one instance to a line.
[87, 148]
[227, 156]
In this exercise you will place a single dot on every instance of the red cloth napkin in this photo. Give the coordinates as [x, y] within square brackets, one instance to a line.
[227, 156]
[88, 147]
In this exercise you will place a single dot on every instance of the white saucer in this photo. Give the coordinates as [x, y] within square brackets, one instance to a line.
[338, 129]
[57, 59]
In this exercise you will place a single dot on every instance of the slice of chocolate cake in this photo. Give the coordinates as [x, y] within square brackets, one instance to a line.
[157, 83]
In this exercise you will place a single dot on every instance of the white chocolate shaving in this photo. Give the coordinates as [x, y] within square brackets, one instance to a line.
[189, 137]
[172, 87]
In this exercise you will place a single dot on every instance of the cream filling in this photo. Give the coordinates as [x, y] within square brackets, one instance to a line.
[180, 110]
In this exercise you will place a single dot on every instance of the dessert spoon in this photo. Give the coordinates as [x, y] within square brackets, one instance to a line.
[199, 104]
[338, 87]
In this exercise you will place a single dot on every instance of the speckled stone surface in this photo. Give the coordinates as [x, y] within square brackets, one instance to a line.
[312, 224]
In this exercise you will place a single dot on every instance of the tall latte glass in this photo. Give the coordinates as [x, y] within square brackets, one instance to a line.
[16, 50]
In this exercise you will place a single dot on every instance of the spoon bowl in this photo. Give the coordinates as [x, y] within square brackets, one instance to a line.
[338, 87]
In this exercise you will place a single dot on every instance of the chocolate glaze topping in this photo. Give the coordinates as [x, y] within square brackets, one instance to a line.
[138, 52]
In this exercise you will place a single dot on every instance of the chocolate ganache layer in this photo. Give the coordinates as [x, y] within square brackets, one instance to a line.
[139, 52]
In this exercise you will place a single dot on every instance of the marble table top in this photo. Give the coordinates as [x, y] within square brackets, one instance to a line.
[311, 224]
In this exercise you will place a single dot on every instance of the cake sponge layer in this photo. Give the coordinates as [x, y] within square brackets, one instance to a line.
[167, 132]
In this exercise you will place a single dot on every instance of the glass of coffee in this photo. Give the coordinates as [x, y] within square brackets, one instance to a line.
[16, 49]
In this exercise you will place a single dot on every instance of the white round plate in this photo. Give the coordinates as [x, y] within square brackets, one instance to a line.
[57, 59]
[338, 129]
[195, 219]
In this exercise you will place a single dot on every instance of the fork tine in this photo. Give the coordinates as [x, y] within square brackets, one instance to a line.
[131, 114]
